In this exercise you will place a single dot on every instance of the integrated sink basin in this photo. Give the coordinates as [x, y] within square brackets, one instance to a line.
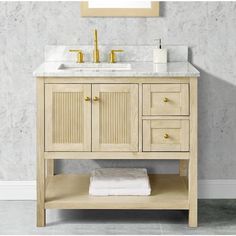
[95, 66]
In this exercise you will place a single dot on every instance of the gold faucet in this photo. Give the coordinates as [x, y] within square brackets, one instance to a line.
[112, 55]
[80, 56]
[95, 50]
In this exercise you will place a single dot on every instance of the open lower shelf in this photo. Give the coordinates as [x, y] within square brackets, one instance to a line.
[71, 192]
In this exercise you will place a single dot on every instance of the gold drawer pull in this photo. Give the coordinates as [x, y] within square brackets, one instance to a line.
[165, 100]
[95, 99]
[87, 98]
[166, 136]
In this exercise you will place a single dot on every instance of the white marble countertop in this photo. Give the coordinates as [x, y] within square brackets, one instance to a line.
[139, 69]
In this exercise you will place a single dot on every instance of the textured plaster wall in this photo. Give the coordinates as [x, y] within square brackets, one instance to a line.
[207, 27]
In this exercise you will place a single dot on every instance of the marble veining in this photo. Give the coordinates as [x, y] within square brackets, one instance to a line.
[140, 58]
[132, 53]
[138, 69]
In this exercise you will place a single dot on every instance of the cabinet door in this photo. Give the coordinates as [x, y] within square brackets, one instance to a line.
[67, 117]
[115, 117]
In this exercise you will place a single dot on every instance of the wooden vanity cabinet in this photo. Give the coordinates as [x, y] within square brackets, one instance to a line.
[116, 118]
[91, 117]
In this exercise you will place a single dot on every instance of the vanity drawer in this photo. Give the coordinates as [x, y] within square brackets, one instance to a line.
[165, 99]
[165, 135]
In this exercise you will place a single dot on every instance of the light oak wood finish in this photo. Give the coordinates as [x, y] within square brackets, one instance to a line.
[140, 118]
[192, 175]
[165, 99]
[67, 117]
[168, 192]
[50, 167]
[165, 135]
[85, 11]
[165, 117]
[183, 167]
[124, 118]
[115, 117]
[118, 155]
[40, 155]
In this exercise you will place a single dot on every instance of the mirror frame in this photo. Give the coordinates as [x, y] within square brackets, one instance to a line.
[85, 11]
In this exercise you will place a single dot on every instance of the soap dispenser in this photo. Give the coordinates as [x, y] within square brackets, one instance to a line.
[159, 53]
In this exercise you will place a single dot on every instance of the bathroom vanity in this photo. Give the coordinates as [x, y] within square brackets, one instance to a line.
[145, 112]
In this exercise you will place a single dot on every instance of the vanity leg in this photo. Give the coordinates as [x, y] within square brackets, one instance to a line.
[41, 218]
[192, 171]
[192, 185]
[183, 166]
[50, 167]
[192, 190]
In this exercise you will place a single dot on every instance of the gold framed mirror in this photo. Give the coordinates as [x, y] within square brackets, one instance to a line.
[90, 10]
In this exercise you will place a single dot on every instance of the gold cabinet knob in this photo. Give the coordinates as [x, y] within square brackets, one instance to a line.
[166, 136]
[165, 100]
[87, 98]
[95, 98]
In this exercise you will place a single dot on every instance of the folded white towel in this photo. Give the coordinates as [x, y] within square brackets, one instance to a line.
[119, 181]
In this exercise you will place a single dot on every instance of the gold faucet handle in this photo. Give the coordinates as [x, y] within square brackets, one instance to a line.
[112, 55]
[80, 55]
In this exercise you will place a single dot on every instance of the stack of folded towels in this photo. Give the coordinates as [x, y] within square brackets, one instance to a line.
[119, 181]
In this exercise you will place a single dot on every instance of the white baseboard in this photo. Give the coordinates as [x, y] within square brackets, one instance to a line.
[17, 190]
[207, 189]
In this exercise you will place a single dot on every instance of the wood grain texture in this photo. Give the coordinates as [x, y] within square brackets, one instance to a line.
[67, 117]
[154, 132]
[140, 125]
[118, 155]
[50, 167]
[168, 192]
[115, 117]
[116, 126]
[183, 167]
[41, 216]
[192, 175]
[177, 96]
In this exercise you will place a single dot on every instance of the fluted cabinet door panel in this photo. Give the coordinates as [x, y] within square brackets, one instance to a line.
[115, 117]
[67, 117]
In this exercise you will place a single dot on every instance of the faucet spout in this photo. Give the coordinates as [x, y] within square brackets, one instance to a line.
[96, 50]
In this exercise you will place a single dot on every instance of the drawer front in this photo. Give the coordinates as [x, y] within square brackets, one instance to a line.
[165, 99]
[166, 135]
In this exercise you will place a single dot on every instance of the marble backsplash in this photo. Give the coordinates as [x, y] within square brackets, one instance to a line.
[136, 53]
[208, 28]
